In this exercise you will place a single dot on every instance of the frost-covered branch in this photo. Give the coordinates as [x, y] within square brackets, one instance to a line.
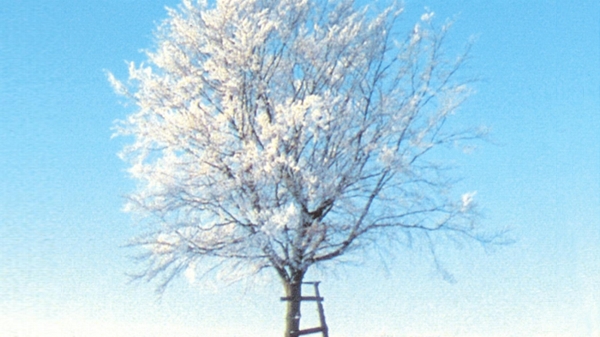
[275, 134]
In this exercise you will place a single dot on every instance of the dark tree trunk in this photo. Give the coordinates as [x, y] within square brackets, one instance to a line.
[293, 291]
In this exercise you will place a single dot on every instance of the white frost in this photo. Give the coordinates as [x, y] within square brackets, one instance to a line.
[276, 133]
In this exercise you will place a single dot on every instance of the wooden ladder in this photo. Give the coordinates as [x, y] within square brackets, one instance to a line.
[317, 298]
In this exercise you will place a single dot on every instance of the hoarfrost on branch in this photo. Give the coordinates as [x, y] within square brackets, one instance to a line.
[276, 134]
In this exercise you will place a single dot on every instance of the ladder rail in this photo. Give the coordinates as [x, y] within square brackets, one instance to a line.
[321, 311]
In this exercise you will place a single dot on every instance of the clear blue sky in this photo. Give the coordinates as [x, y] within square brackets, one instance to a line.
[62, 271]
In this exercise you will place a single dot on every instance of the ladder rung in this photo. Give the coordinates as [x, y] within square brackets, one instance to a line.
[309, 331]
[304, 298]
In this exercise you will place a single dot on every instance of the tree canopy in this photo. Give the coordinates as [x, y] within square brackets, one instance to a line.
[280, 134]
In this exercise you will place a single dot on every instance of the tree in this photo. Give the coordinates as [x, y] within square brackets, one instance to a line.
[282, 134]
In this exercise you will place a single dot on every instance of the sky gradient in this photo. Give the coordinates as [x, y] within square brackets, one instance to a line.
[63, 270]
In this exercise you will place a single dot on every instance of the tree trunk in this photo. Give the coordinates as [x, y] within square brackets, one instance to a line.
[293, 291]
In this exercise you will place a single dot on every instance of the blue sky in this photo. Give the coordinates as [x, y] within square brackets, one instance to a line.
[61, 225]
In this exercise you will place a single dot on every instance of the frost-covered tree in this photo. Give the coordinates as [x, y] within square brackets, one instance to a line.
[283, 134]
